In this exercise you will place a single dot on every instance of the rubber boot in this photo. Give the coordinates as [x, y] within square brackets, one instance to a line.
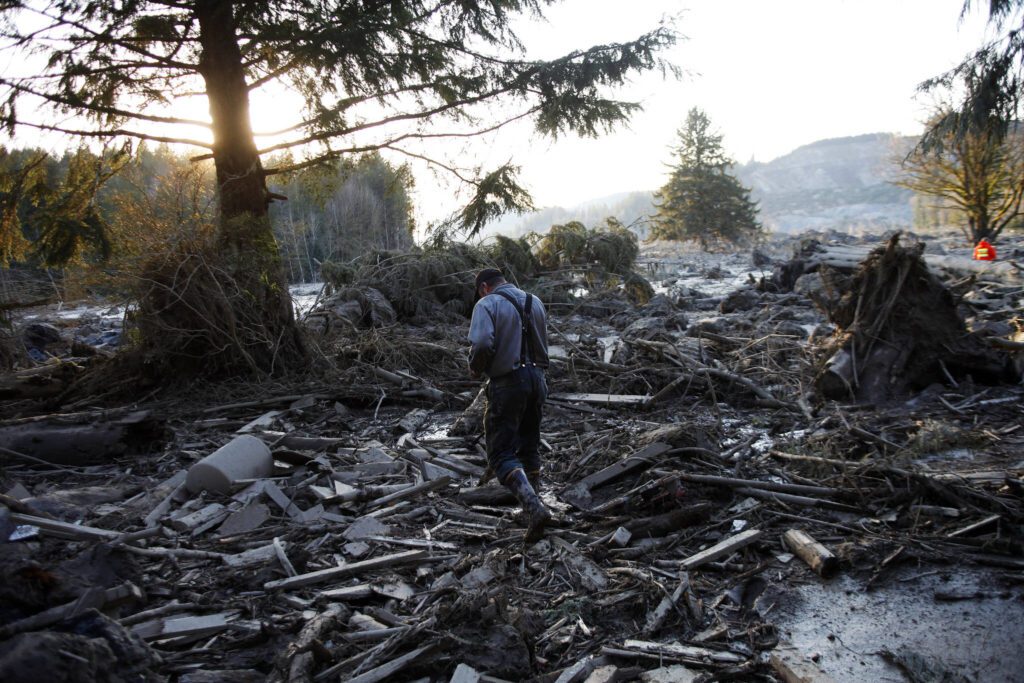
[537, 515]
[533, 476]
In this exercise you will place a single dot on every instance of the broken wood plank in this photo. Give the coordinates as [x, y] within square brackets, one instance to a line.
[275, 494]
[970, 529]
[686, 652]
[249, 518]
[934, 510]
[793, 667]
[453, 462]
[412, 492]
[331, 573]
[251, 557]
[176, 484]
[603, 399]
[146, 615]
[464, 673]
[414, 542]
[212, 512]
[656, 618]
[261, 423]
[385, 671]
[358, 592]
[577, 671]
[817, 556]
[638, 460]
[722, 549]
[282, 557]
[162, 629]
[60, 529]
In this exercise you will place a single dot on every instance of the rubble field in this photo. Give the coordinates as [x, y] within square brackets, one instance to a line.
[801, 464]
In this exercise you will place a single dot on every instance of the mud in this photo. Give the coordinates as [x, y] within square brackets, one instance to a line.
[968, 620]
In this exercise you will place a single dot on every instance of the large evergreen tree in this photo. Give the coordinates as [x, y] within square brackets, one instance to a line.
[375, 74]
[702, 201]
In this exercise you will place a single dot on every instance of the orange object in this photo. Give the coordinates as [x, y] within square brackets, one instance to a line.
[984, 251]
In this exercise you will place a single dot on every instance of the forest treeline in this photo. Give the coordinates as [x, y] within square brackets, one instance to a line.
[101, 213]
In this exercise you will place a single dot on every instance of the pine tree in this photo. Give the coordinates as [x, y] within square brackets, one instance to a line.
[703, 201]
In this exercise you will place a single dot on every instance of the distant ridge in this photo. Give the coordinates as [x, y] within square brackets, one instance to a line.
[838, 183]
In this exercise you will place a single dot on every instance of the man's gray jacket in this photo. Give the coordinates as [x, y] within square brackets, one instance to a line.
[495, 333]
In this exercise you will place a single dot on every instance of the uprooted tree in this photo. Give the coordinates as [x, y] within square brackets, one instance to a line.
[373, 75]
[899, 330]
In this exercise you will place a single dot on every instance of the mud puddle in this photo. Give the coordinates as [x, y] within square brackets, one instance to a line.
[977, 636]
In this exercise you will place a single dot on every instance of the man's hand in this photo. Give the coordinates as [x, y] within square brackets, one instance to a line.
[479, 361]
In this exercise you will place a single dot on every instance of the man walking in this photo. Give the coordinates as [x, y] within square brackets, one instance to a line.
[508, 334]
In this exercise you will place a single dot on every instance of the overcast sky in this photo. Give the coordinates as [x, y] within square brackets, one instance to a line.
[771, 75]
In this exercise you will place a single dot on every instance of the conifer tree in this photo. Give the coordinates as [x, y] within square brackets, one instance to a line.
[702, 201]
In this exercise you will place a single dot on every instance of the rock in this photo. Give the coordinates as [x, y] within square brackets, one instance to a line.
[40, 335]
[646, 329]
[740, 300]
[660, 304]
[105, 339]
[712, 325]
[760, 259]
[809, 284]
[365, 307]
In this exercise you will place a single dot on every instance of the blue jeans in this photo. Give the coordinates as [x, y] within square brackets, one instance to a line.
[512, 420]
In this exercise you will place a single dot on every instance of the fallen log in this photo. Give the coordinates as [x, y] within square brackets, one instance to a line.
[817, 556]
[850, 257]
[92, 598]
[803, 501]
[762, 485]
[53, 527]
[332, 573]
[666, 523]
[98, 441]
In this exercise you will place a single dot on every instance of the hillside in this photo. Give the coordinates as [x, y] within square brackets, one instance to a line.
[839, 183]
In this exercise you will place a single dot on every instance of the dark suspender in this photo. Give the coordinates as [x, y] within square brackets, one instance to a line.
[526, 351]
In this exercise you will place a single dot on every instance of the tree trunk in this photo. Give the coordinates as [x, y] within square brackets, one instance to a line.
[265, 329]
[241, 184]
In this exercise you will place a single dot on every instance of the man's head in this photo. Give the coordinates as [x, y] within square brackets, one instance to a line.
[487, 280]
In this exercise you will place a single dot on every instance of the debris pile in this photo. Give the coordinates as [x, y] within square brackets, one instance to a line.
[345, 528]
